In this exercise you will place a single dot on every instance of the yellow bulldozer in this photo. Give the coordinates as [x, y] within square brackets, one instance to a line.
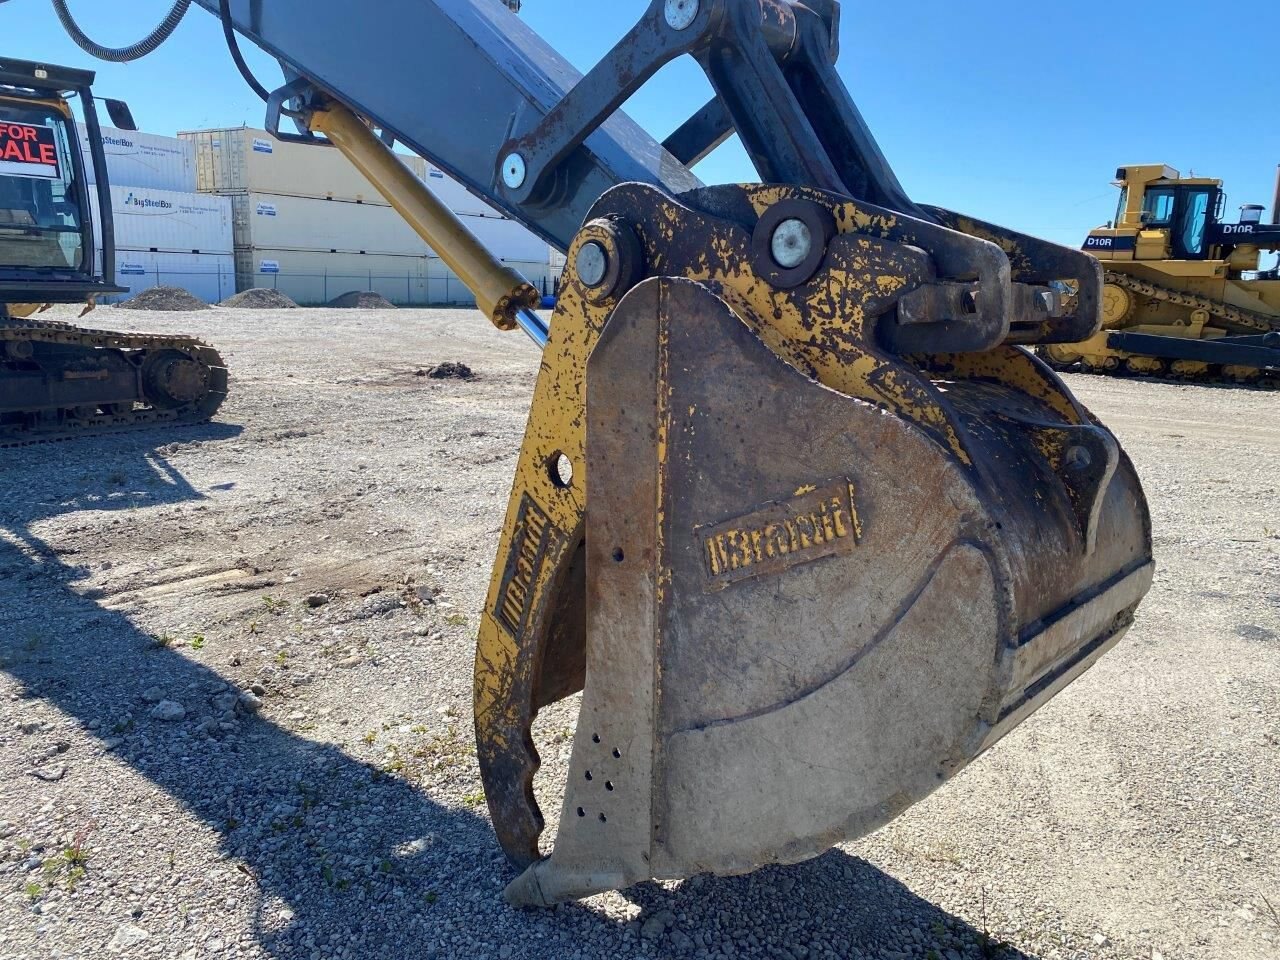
[1183, 293]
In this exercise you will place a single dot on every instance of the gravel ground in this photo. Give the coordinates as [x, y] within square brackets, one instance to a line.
[235, 693]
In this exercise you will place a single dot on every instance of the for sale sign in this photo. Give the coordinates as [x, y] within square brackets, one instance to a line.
[28, 150]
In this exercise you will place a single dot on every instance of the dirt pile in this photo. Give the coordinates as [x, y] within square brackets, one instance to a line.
[164, 298]
[362, 300]
[259, 298]
[449, 370]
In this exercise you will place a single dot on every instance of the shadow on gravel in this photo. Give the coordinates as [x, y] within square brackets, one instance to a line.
[343, 861]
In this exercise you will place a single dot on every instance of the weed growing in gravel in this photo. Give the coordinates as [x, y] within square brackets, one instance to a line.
[275, 605]
[431, 897]
[33, 890]
[456, 620]
[395, 763]
[197, 641]
[282, 657]
[991, 948]
[162, 641]
[69, 866]
[473, 800]
[370, 736]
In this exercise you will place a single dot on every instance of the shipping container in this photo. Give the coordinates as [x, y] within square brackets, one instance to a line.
[164, 220]
[148, 160]
[508, 240]
[316, 276]
[209, 276]
[304, 223]
[455, 196]
[245, 160]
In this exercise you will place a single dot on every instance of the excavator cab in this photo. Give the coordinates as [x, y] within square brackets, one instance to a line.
[46, 230]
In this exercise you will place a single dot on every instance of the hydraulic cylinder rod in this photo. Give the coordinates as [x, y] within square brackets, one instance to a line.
[507, 298]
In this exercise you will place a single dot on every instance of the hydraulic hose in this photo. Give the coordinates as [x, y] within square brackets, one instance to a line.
[233, 47]
[134, 51]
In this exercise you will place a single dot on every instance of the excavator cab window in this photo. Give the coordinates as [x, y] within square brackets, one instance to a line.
[41, 223]
[1157, 207]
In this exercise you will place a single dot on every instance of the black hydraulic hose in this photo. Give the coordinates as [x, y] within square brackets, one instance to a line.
[134, 51]
[233, 46]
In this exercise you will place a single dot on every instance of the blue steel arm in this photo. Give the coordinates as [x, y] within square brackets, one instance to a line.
[452, 80]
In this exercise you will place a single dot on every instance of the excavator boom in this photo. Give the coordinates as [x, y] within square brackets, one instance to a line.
[795, 510]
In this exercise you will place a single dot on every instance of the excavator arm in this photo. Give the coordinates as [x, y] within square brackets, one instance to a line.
[795, 510]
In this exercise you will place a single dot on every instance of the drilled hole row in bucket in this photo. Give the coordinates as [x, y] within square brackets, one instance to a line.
[608, 784]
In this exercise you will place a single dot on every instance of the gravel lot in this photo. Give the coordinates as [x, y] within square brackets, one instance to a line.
[235, 695]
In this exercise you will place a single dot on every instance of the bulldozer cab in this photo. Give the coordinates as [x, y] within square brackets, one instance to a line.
[46, 223]
[1164, 216]
[1184, 210]
[1161, 215]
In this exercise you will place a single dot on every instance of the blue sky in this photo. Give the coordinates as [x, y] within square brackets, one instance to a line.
[1017, 112]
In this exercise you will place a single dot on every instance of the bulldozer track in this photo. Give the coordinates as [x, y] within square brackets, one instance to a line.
[57, 332]
[1246, 321]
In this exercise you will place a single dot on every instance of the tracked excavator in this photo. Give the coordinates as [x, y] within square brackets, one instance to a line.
[797, 510]
[1183, 295]
[59, 380]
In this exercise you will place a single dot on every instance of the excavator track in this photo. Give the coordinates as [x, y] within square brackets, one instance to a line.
[1236, 319]
[174, 380]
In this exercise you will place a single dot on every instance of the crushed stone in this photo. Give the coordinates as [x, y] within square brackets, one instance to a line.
[163, 298]
[259, 298]
[362, 300]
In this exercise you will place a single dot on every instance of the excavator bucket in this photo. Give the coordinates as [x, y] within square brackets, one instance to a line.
[805, 577]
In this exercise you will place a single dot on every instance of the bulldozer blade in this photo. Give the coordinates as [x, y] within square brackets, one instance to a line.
[803, 614]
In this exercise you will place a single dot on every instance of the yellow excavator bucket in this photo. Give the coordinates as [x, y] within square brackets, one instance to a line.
[802, 579]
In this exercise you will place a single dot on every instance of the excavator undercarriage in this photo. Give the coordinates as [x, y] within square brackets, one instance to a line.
[797, 510]
[59, 381]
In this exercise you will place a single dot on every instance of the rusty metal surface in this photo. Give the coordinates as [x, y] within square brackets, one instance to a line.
[995, 423]
[790, 641]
